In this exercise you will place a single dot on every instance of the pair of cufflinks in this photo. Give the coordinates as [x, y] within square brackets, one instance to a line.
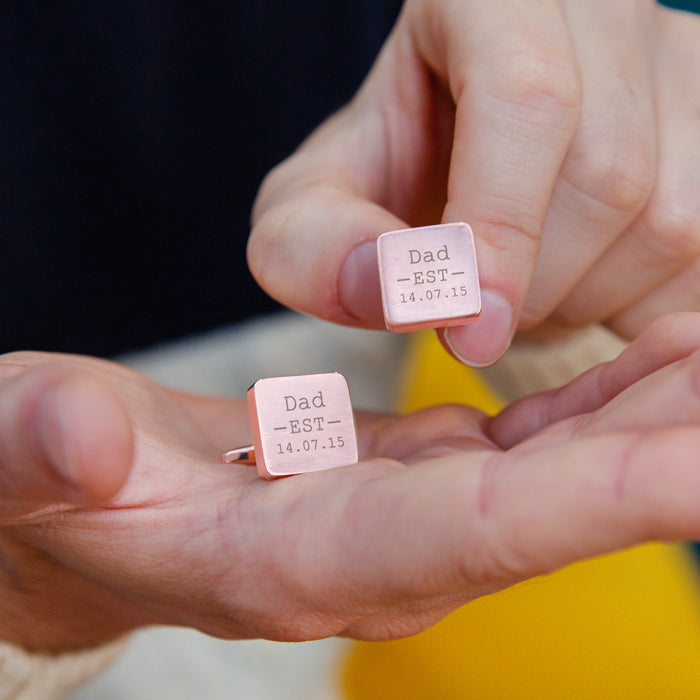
[305, 423]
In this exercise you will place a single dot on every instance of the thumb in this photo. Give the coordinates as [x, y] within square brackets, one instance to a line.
[64, 436]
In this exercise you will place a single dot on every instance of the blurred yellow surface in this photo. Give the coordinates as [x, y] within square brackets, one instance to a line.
[624, 625]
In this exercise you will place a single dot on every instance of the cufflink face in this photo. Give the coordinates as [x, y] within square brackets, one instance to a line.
[302, 423]
[428, 277]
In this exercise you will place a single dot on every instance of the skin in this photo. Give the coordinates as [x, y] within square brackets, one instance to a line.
[564, 132]
[115, 511]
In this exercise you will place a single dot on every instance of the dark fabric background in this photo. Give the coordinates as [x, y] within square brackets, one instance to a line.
[689, 5]
[133, 136]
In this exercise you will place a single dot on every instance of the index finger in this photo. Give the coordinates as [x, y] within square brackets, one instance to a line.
[382, 163]
[514, 79]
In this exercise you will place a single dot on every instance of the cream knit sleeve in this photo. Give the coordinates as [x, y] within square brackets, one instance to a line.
[28, 676]
[550, 358]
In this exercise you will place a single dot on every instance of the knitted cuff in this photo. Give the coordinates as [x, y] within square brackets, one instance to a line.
[547, 360]
[29, 676]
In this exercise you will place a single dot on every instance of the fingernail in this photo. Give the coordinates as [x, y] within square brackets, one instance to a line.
[359, 292]
[481, 343]
[51, 430]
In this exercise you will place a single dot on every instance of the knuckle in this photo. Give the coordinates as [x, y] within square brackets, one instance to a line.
[509, 224]
[673, 226]
[531, 73]
[613, 166]
[268, 192]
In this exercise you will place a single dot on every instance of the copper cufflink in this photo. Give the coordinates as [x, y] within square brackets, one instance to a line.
[302, 423]
[428, 277]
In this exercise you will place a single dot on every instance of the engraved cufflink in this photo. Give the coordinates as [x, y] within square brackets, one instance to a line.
[428, 277]
[302, 423]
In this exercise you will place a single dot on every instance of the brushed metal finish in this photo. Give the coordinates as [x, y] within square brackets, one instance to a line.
[302, 423]
[429, 277]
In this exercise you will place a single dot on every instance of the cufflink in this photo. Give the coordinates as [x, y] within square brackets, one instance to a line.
[303, 423]
[428, 277]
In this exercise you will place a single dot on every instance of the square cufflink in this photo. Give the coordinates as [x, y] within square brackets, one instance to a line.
[303, 423]
[428, 277]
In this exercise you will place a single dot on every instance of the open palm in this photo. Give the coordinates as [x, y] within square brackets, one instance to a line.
[118, 513]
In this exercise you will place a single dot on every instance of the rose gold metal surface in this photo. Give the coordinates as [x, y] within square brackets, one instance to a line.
[302, 423]
[429, 277]
[240, 455]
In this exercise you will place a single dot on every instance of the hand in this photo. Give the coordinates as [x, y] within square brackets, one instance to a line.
[446, 506]
[565, 133]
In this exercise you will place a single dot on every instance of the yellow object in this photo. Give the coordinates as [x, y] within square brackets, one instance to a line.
[432, 377]
[626, 625]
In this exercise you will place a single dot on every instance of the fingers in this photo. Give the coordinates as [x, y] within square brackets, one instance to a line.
[670, 397]
[382, 163]
[680, 293]
[375, 166]
[503, 518]
[553, 128]
[64, 435]
[609, 170]
[545, 508]
[664, 342]
[515, 81]
[316, 253]
[665, 238]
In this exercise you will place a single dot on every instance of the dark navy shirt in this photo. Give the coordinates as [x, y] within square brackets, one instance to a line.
[133, 137]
